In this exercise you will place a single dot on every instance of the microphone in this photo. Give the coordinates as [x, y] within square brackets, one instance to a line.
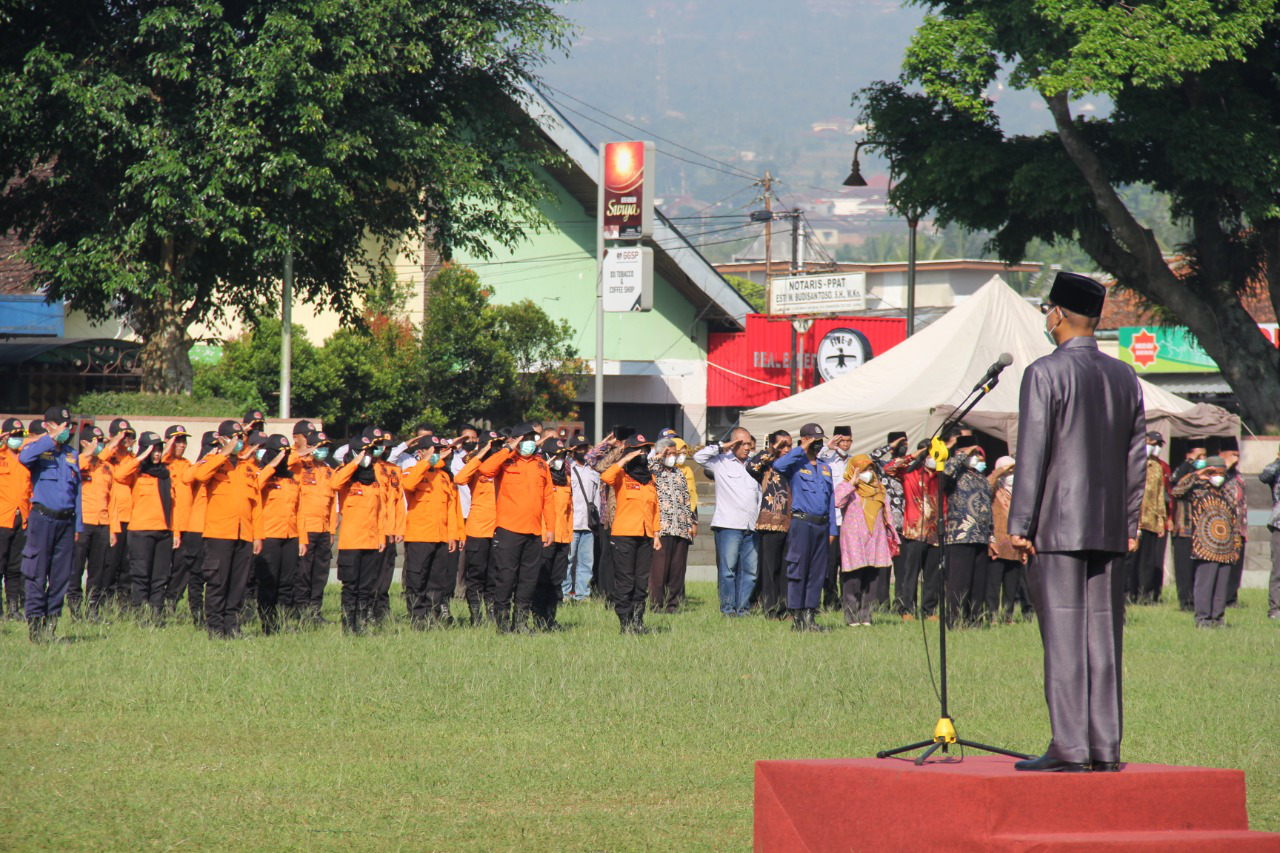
[993, 371]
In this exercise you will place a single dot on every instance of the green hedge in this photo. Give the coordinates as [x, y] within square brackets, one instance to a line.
[155, 405]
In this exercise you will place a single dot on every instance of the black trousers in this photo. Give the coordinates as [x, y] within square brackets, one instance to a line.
[87, 565]
[1144, 568]
[516, 557]
[666, 574]
[1235, 576]
[880, 588]
[12, 541]
[602, 578]
[632, 559]
[831, 597]
[193, 578]
[275, 568]
[770, 545]
[227, 566]
[118, 570]
[386, 572]
[358, 570]
[1003, 579]
[428, 578]
[479, 577]
[548, 590]
[966, 583]
[918, 555]
[150, 560]
[858, 594]
[313, 572]
[1182, 572]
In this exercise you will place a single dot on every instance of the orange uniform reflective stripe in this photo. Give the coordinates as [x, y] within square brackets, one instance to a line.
[15, 488]
[433, 512]
[183, 496]
[637, 512]
[232, 506]
[362, 510]
[524, 503]
[316, 511]
[563, 499]
[95, 489]
[483, 517]
[278, 497]
[144, 497]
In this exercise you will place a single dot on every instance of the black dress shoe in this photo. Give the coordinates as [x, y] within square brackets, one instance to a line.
[1106, 767]
[1048, 764]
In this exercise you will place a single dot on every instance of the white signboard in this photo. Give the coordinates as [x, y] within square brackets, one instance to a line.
[819, 294]
[628, 278]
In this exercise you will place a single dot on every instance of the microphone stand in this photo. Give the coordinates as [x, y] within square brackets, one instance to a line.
[944, 731]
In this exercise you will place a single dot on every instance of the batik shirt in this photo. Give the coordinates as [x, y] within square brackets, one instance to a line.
[881, 457]
[969, 520]
[675, 512]
[1213, 518]
[775, 502]
[601, 458]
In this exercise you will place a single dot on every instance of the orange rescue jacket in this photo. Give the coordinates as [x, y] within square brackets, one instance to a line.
[96, 478]
[279, 499]
[433, 512]
[637, 512]
[361, 504]
[524, 503]
[232, 497]
[483, 516]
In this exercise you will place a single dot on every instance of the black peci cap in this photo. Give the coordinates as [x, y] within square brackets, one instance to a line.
[1078, 294]
[842, 430]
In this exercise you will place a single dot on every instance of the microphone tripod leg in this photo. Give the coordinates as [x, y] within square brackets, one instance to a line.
[901, 749]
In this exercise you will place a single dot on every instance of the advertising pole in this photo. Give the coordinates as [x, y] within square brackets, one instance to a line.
[599, 378]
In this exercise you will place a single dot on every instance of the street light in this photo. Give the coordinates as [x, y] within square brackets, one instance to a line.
[855, 178]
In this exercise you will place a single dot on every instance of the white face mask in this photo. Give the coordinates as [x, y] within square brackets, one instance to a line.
[669, 461]
[680, 460]
[930, 463]
[978, 464]
[557, 464]
[366, 462]
[1217, 480]
[1008, 482]
[865, 477]
[1152, 450]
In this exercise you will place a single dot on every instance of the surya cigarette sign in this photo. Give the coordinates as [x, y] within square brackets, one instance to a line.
[628, 278]
[627, 179]
[819, 294]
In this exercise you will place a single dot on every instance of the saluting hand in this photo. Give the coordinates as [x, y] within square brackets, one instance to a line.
[277, 460]
[632, 455]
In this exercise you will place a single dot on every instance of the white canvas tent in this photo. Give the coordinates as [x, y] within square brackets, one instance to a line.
[915, 385]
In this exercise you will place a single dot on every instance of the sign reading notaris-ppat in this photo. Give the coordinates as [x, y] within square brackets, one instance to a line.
[627, 177]
[628, 278]
[818, 294]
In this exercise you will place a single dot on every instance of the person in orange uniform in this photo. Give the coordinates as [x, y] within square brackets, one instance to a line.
[635, 532]
[187, 488]
[230, 481]
[478, 574]
[151, 537]
[362, 536]
[15, 507]
[525, 509]
[95, 538]
[433, 531]
[175, 441]
[120, 444]
[555, 557]
[317, 520]
[389, 475]
[277, 564]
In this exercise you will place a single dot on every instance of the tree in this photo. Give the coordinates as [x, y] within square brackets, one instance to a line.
[545, 381]
[249, 372]
[1195, 117]
[166, 155]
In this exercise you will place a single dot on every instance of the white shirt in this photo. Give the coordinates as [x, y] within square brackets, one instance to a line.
[737, 492]
[584, 485]
[456, 461]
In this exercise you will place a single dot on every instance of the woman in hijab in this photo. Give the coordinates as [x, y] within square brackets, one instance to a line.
[636, 532]
[1005, 571]
[151, 537]
[868, 541]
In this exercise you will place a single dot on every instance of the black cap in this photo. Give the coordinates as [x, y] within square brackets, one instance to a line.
[375, 435]
[522, 429]
[1155, 437]
[843, 430]
[89, 432]
[303, 428]
[57, 414]
[895, 435]
[424, 442]
[256, 438]
[36, 427]
[252, 416]
[226, 429]
[1215, 462]
[13, 425]
[579, 441]
[554, 447]
[276, 443]
[1078, 294]
[147, 441]
[118, 426]
[811, 429]
[207, 439]
[638, 440]
[316, 438]
[176, 430]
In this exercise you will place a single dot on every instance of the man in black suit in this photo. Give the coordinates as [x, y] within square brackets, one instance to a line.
[1074, 513]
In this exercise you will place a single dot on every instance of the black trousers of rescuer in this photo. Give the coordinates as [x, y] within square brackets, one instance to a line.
[150, 559]
[666, 575]
[549, 588]
[386, 572]
[1183, 576]
[227, 566]
[276, 567]
[516, 557]
[12, 541]
[479, 577]
[770, 545]
[632, 559]
[831, 597]
[313, 573]
[428, 576]
[966, 583]
[88, 562]
[602, 578]
[917, 555]
[118, 569]
[192, 581]
[1003, 579]
[358, 570]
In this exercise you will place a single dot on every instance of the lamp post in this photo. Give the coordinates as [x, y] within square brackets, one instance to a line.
[286, 323]
[855, 179]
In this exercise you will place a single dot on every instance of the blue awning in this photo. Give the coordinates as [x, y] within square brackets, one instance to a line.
[29, 314]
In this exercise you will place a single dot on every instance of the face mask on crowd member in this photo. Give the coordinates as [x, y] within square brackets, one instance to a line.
[978, 464]
[866, 476]
[527, 447]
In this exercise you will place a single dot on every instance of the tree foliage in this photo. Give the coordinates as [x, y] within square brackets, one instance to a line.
[1195, 117]
[168, 154]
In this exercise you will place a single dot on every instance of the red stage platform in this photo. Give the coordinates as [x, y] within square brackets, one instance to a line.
[982, 803]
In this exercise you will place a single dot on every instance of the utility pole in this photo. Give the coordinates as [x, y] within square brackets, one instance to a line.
[286, 322]
[912, 221]
[798, 326]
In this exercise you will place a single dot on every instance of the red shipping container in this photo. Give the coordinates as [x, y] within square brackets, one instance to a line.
[751, 368]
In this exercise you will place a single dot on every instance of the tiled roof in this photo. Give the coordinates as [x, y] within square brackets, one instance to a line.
[16, 275]
[1126, 308]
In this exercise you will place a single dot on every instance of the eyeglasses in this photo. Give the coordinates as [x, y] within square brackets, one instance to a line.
[1046, 307]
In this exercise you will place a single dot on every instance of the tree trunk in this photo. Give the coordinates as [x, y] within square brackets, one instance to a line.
[166, 348]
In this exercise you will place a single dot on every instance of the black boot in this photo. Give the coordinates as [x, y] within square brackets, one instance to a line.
[798, 620]
[520, 624]
[810, 621]
[637, 621]
[35, 629]
[197, 616]
[624, 620]
[350, 620]
[502, 619]
[51, 629]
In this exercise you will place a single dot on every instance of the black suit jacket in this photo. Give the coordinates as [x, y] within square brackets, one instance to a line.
[1081, 452]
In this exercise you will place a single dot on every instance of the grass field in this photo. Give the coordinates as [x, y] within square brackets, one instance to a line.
[132, 738]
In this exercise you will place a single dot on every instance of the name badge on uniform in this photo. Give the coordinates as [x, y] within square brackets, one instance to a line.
[806, 472]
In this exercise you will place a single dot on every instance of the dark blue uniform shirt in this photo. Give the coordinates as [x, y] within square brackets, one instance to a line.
[812, 490]
[55, 475]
